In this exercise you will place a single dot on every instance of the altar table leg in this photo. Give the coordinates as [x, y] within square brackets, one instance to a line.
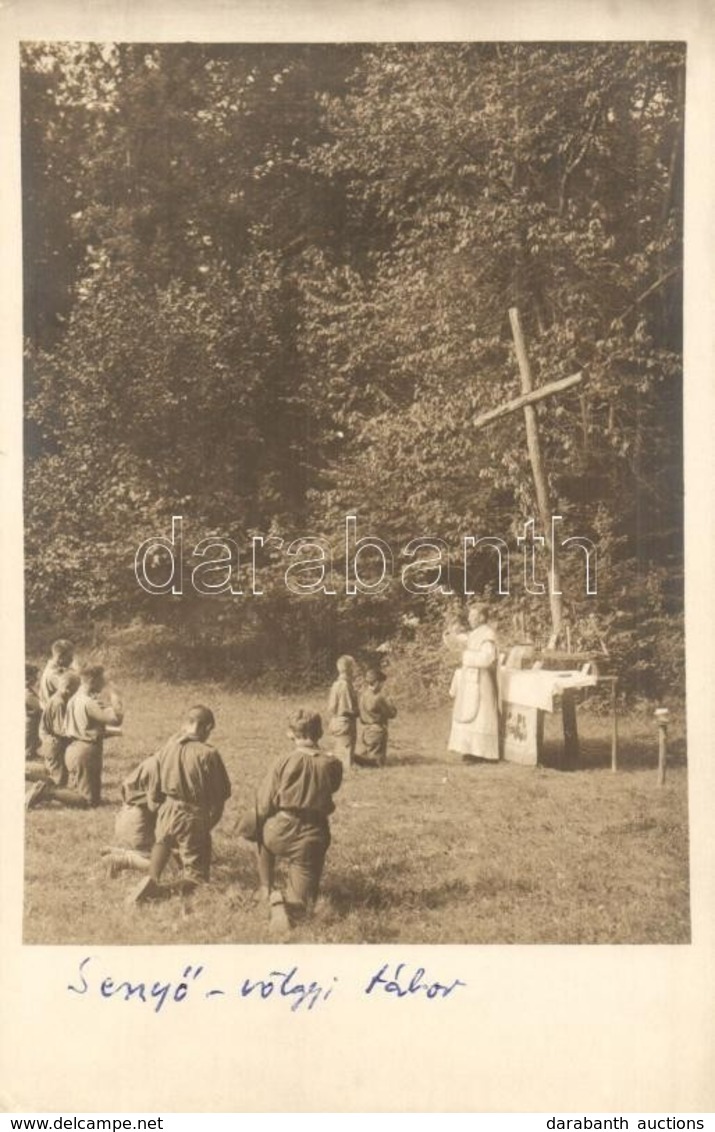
[568, 715]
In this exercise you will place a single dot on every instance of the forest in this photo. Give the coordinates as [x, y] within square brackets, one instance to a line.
[268, 286]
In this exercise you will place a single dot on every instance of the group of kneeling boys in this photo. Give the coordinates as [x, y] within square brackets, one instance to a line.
[176, 796]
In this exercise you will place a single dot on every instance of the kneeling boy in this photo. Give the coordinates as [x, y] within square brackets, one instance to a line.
[292, 807]
[135, 823]
[376, 711]
[51, 780]
[53, 731]
[188, 789]
[93, 709]
[343, 711]
[33, 711]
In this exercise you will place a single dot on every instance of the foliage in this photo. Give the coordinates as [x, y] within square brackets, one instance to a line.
[268, 285]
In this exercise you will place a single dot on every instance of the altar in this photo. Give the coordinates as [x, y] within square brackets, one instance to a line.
[525, 695]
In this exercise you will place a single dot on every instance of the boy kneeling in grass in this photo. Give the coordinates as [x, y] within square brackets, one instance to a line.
[93, 713]
[53, 730]
[343, 711]
[33, 711]
[291, 818]
[188, 790]
[135, 823]
[376, 711]
[50, 780]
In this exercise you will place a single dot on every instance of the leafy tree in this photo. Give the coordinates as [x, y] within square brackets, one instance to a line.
[542, 176]
[269, 285]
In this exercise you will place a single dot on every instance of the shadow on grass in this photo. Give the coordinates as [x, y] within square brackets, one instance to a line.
[406, 755]
[349, 892]
[595, 754]
[235, 870]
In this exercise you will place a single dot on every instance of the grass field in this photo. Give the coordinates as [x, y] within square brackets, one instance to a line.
[424, 851]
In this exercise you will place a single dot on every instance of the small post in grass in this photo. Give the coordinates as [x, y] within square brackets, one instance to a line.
[614, 724]
[661, 718]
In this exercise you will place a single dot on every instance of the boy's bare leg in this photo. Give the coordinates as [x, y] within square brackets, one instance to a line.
[45, 791]
[266, 870]
[67, 797]
[158, 861]
[118, 859]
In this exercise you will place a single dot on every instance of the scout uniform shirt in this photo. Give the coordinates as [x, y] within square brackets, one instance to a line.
[301, 783]
[189, 771]
[342, 704]
[375, 708]
[86, 718]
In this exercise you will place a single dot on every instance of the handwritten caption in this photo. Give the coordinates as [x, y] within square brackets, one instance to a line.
[396, 980]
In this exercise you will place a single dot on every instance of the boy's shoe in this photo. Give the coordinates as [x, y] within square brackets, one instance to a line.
[147, 889]
[34, 794]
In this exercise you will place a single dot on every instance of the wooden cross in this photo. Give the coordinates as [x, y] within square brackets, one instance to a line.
[529, 396]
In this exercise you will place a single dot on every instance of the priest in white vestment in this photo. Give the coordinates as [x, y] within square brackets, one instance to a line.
[475, 712]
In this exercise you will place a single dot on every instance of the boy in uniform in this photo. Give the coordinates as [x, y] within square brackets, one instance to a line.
[60, 661]
[188, 789]
[293, 804]
[376, 710]
[343, 712]
[135, 823]
[50, 779]
[52, 728]
[74, 726]
[33, 711]
[92, 710]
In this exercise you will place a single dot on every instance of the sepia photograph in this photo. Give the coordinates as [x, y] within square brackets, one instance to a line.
[353, 493]
[357, 507]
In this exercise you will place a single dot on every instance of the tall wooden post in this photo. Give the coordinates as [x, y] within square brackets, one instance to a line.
[526, 402]
[661, 716]
[614, 723]
[540, 482]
